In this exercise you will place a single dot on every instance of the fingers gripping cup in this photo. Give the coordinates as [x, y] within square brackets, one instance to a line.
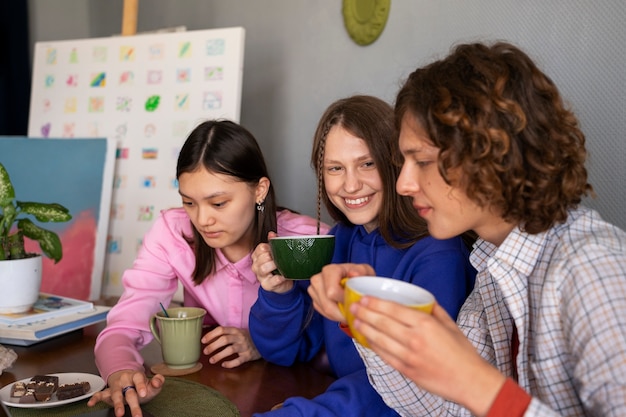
[179, 335]
[301, 257]
[390, 289]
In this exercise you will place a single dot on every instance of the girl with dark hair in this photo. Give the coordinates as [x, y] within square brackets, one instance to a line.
[489, 145]
[353, 152]
[228, 207]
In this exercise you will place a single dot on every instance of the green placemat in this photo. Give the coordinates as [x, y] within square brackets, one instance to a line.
[179, 397]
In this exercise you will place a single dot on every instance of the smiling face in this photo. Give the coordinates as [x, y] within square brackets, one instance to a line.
[447, 209]
[351, 178]
[222, 209]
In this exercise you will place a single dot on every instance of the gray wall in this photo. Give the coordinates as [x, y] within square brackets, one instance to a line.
[299, 58]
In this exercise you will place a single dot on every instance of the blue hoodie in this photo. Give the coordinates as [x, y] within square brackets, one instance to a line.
[285, 328]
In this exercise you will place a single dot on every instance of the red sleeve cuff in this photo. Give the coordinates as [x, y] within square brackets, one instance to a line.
[512, 401]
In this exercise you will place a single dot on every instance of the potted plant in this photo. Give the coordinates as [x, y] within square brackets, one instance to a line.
[20, 271]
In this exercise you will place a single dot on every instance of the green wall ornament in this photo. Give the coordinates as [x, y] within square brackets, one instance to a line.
[365, 19]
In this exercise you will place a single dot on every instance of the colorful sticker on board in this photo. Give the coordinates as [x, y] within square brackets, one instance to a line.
[148, 182]
[117, 211]
[126, 78]
[152, 103]
[155, 77]
[183, 75]
[181, 102]
[184, 50]
[47, 105]
[98, 79]
[119, 181]
[149, 130]
[215, 47]
[149, 153]
[68, 130]
[96, 105]
[120, 131]
[156, 51]
[213, 73]
[72, 80]
[93, 129]
[73, 56]
[51, 56]
[99, 53]
[146, 213]
[45, 130]
[212, 100]
[70, 105]
[114, 244]
[127, 53]
[122, 153]
[49, 81]
[123, 103]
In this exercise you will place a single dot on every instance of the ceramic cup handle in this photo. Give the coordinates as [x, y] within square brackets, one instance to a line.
[154, 329]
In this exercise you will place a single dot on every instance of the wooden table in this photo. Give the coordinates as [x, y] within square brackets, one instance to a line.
[253, 387]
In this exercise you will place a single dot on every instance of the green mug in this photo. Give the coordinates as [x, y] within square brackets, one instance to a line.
[179, 335]
[301, 257]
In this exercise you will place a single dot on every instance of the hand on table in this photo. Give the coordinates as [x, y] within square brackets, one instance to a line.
[144, 390]
[326, 289]
[430, 350]
[223, 342]
[263, 267]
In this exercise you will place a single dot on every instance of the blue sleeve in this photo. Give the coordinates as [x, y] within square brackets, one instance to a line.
[284, 327]
[351, 395]
[442, 267]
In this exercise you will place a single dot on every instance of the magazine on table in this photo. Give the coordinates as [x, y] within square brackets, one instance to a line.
[47, 306]
[30, 333]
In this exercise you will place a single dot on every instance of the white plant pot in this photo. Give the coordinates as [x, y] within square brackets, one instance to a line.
[20, 283]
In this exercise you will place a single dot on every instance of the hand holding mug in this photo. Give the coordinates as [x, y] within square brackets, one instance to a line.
[326, 290]
[265, 270]
[389, 289]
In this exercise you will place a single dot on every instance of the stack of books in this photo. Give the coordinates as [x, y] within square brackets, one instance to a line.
[51, 316]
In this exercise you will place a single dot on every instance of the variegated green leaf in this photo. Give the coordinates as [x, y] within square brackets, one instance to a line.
[48, 240]
[45, 212]
[7, 193]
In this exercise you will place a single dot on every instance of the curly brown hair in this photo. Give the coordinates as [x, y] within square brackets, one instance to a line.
[370, 119]
[504, 134]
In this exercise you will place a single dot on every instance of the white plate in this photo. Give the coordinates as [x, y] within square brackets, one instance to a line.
[96, 383]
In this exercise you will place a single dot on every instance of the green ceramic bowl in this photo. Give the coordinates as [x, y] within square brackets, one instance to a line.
[301, 257]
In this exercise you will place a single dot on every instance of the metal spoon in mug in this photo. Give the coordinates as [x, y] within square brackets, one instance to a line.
[164, 310]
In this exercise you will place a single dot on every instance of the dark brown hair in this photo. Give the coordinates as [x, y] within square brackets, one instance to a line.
[224, 147]
[504, 133]
[371, 119]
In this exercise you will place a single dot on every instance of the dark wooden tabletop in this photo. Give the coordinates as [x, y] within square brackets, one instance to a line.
[253, 387]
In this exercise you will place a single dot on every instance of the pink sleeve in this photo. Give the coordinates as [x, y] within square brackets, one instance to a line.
[292, 224]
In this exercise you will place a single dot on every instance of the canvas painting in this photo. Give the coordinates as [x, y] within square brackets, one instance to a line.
[77, 173]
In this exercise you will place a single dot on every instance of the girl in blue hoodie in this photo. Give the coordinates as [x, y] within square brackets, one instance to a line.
[353, 155]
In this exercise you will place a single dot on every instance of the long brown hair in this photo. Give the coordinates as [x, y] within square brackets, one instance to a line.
[371, 119]
[224, 147]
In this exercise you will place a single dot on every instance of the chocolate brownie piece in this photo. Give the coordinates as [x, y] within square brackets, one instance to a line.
[67, 391]
[43, 391]
[18, 389]
[46, 379]
[28, 397]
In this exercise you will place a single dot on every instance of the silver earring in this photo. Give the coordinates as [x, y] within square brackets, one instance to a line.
[260, 206]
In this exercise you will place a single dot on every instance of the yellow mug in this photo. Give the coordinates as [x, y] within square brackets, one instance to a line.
[390, 289]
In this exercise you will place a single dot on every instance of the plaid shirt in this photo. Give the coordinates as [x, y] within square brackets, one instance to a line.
[565, 291]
